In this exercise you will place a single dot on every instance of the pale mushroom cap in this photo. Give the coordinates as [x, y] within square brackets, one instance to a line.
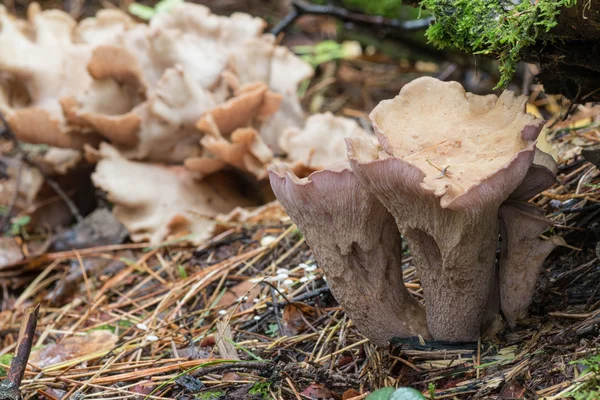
[253, 101]
[104, 28]
[475, 137]
[321, 141]
[154, 201]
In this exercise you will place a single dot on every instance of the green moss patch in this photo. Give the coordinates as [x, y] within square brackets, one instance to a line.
[499, 28]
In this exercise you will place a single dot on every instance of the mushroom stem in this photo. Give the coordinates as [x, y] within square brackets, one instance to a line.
[453, 250]
[356, 242]
[456, 271]
[522, 256]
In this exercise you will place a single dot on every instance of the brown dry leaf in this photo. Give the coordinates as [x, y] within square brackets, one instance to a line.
[317, 391]
[230, 377]
[294, 316]
[350, 393]
[10, 252]
[512, 390]
[100, 341]
[155, 201]
[225, 342]
[232, 295]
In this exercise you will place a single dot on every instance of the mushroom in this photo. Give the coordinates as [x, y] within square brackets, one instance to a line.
[253, 102]
[261, 60]
[448, 159]
[320, 142]
[37, 56]
[245, 150]
[162, 128]
[154, 201]
[522, 256]
[540, 176]
[356, 242]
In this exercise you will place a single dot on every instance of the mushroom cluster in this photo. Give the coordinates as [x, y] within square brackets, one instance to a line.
[451, 172]
[186, 96]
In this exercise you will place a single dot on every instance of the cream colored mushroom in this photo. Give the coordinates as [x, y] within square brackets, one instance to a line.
[260, 59]
[244, 150]
[253, 103]
[320, 142]
[160, 129]
[155, 202]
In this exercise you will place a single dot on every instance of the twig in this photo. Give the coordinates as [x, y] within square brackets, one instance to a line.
[9, 388]
[300, 8]
[234, 366]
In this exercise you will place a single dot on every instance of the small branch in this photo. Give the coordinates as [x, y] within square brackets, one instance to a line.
[9, 388]
[300, 7]
[235, 366]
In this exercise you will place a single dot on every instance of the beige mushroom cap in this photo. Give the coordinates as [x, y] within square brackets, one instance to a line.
[486, 143]
[104, 28]
[155, 201]
[245, 150]
[253, 102]
[321, 141]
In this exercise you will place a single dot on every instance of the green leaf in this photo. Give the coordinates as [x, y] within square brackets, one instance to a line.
[181, 270]
[141, 11]
[19, 224]
[382, 394]
[406, 393]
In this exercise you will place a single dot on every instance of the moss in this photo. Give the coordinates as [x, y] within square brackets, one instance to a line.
[386, 8]
[261, 389]
[500, 28]
[210, 395]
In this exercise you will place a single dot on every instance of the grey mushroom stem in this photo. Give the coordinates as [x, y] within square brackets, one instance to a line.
[356, 242]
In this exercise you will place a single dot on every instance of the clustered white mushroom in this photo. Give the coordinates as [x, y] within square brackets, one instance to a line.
[446, 163]
[189, 88]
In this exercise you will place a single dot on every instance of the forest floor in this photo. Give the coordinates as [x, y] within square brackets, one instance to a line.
[248, 314]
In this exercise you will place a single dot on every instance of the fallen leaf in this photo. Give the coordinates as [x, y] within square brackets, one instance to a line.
[230, 377]
[294, 315]
[316, 391]
[100, 228]
[73, 347]
[225, 342]
[350, 393]
[511, 390]
[233, 294]
[10, 251]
